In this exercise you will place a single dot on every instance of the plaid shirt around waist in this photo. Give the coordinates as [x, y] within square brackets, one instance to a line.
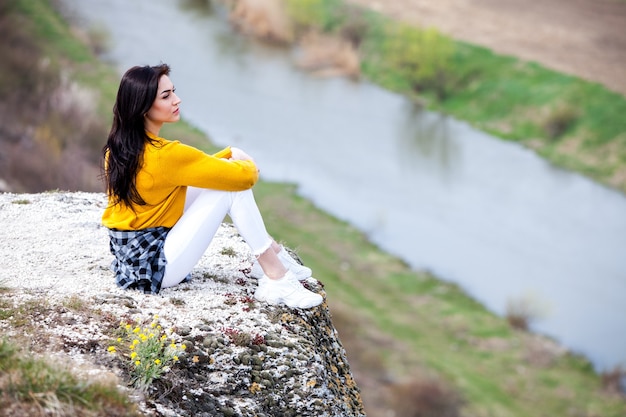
[139, 259]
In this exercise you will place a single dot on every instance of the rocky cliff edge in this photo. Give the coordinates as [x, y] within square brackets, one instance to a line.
[241, 357]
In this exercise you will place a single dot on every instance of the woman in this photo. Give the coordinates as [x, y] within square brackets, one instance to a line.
[167, 199]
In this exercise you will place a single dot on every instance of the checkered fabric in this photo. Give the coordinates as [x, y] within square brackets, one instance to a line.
[139, 259]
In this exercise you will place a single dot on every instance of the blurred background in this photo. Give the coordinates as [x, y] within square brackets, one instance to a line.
[480, 145]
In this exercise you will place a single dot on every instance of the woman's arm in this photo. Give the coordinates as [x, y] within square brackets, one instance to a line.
[181, 164]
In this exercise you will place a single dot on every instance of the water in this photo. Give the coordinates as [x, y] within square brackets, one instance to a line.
[484, 213]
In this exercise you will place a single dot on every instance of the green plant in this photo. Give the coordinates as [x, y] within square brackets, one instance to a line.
[422, 56]
[75, 302]
[177, 301]
[146, 351]
[560, 119]
[308, 14]
[229, 251]
[29, 386]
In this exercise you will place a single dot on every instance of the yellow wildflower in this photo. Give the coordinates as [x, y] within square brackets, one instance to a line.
[137, 363]
[111, 349]
[133, 355]
[157, 361]
[136, 330]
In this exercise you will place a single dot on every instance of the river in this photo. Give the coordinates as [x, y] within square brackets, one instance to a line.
[487, 214]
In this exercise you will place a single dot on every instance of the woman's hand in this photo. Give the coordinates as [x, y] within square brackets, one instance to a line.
[238, 154]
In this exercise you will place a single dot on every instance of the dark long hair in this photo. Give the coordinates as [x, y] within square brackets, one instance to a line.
[127, 139]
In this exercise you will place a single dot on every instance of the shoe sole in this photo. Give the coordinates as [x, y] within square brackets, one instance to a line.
[277, 301]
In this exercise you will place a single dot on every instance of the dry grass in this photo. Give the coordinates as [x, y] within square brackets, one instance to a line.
[614, 381]
[328, 56]
[264, 19]
[35, 375]
[322, 55]
[522, 311]
[426, 397]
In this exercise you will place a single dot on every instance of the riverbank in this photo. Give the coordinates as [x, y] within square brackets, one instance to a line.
[575, 123]
[583, 38]
[399, 324]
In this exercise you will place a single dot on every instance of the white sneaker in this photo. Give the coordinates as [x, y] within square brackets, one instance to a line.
[300, 271]
[261, 292]
[288, 291]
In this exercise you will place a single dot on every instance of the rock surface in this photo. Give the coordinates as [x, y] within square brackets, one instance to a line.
[242, 357]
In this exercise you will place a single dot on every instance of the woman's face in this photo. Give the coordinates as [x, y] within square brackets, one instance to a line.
[165, 108]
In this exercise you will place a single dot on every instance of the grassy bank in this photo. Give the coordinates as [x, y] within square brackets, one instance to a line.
[573, 123]
[405, 325]
[400, 327]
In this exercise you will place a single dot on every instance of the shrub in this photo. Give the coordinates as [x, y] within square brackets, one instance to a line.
[310, 14]
[614, 380]
[560, 119]
[422, 56]
[264, 19]
[522, 311]
[427, 397]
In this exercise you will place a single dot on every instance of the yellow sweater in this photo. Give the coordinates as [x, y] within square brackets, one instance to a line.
[168, 167]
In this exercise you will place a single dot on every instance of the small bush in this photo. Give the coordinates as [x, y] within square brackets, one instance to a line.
[522, 311]
[99, 39]
[311, 14]
[560, 119]
[264, 19]
[422, 56]
[613, 380]
[428, 397]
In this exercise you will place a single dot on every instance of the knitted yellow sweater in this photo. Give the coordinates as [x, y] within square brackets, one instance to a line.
[168, 167]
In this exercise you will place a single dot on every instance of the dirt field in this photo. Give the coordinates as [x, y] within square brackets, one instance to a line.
[586, 38]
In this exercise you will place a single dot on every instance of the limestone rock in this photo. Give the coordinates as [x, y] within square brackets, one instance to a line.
[242, 357]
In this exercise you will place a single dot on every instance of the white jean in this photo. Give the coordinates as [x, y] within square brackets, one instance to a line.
[204, 212]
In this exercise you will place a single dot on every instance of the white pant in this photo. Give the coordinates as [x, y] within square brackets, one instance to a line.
[204, 212]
